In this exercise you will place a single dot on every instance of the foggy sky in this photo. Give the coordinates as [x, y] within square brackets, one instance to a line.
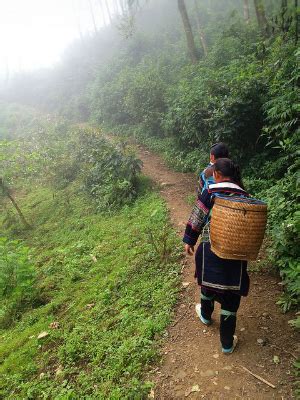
[33, 33]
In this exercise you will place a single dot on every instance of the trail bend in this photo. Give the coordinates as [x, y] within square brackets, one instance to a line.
[192, 365]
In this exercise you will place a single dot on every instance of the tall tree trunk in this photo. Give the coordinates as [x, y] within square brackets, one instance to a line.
[116, 7]
[188, 31]
[77, 17]
[201, 33]
[261, 17]
[102, 12]
[108, 11]
[122, 6]
[246, 11]
[283, 14]
[93, 15]
[297, 21]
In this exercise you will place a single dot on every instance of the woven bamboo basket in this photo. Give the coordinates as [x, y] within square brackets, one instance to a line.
[237, 227]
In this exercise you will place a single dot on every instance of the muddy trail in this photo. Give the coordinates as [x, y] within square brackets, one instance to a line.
[192, 364]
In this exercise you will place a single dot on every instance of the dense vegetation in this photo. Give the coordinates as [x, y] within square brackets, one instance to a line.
[84, 294]
[137, 79]
[242, 89]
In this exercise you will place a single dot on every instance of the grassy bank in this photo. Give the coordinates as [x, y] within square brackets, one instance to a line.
[106, 286]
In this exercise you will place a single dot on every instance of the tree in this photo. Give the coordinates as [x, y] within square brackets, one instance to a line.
[186, 24]
[116, 7]
[77, 17]
[122, 6]
[261, 17]
[188, 31]
[102, 12]
[93, 15]
[297, 21]
[246, 11]
[108, 12]
[200, 30]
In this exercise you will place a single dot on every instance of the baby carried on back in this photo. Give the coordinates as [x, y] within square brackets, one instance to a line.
[217, 150]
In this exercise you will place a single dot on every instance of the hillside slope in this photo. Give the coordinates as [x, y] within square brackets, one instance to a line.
[106, 287]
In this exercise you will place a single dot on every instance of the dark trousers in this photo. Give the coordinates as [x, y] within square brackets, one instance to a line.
[230, 303]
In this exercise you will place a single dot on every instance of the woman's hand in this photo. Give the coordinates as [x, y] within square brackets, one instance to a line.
[189, 249]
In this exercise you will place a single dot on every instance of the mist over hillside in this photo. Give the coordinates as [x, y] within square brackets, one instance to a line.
[95, 298]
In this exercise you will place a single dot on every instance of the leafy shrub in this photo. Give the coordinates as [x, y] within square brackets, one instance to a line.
[13, 119]
[284, 228]
[134, 97]
[110, 172]
[218, 105]
[235, 41]
[56, 153]
[17, 277]
[189, 108]
[282, 107]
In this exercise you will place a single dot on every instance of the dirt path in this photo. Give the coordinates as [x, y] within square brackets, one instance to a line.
[192, 366]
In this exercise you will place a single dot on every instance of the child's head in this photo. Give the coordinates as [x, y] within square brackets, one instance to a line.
[218, 150]
[225, 169]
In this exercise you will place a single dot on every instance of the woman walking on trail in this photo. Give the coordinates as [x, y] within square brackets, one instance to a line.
[221, 280]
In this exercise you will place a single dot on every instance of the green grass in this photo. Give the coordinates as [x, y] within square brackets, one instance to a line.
[126, 265]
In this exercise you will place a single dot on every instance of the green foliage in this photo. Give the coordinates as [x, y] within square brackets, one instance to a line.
[189, 109]
[110, 173]
[14, 119]
[34, 149]
[284, 228]
[53, 152]
[282, 108]
[17, 280]
[295, 323]
[134, 97]
[218, 105]
[110, 282]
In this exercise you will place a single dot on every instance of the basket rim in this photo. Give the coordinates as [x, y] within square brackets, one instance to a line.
[241, 199]
[243, 210]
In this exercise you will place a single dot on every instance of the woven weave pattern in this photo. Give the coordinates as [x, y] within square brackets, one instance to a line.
[237, 227]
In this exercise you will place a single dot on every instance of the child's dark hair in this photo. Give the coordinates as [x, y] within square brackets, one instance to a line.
[229, 169]
[219, 150]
